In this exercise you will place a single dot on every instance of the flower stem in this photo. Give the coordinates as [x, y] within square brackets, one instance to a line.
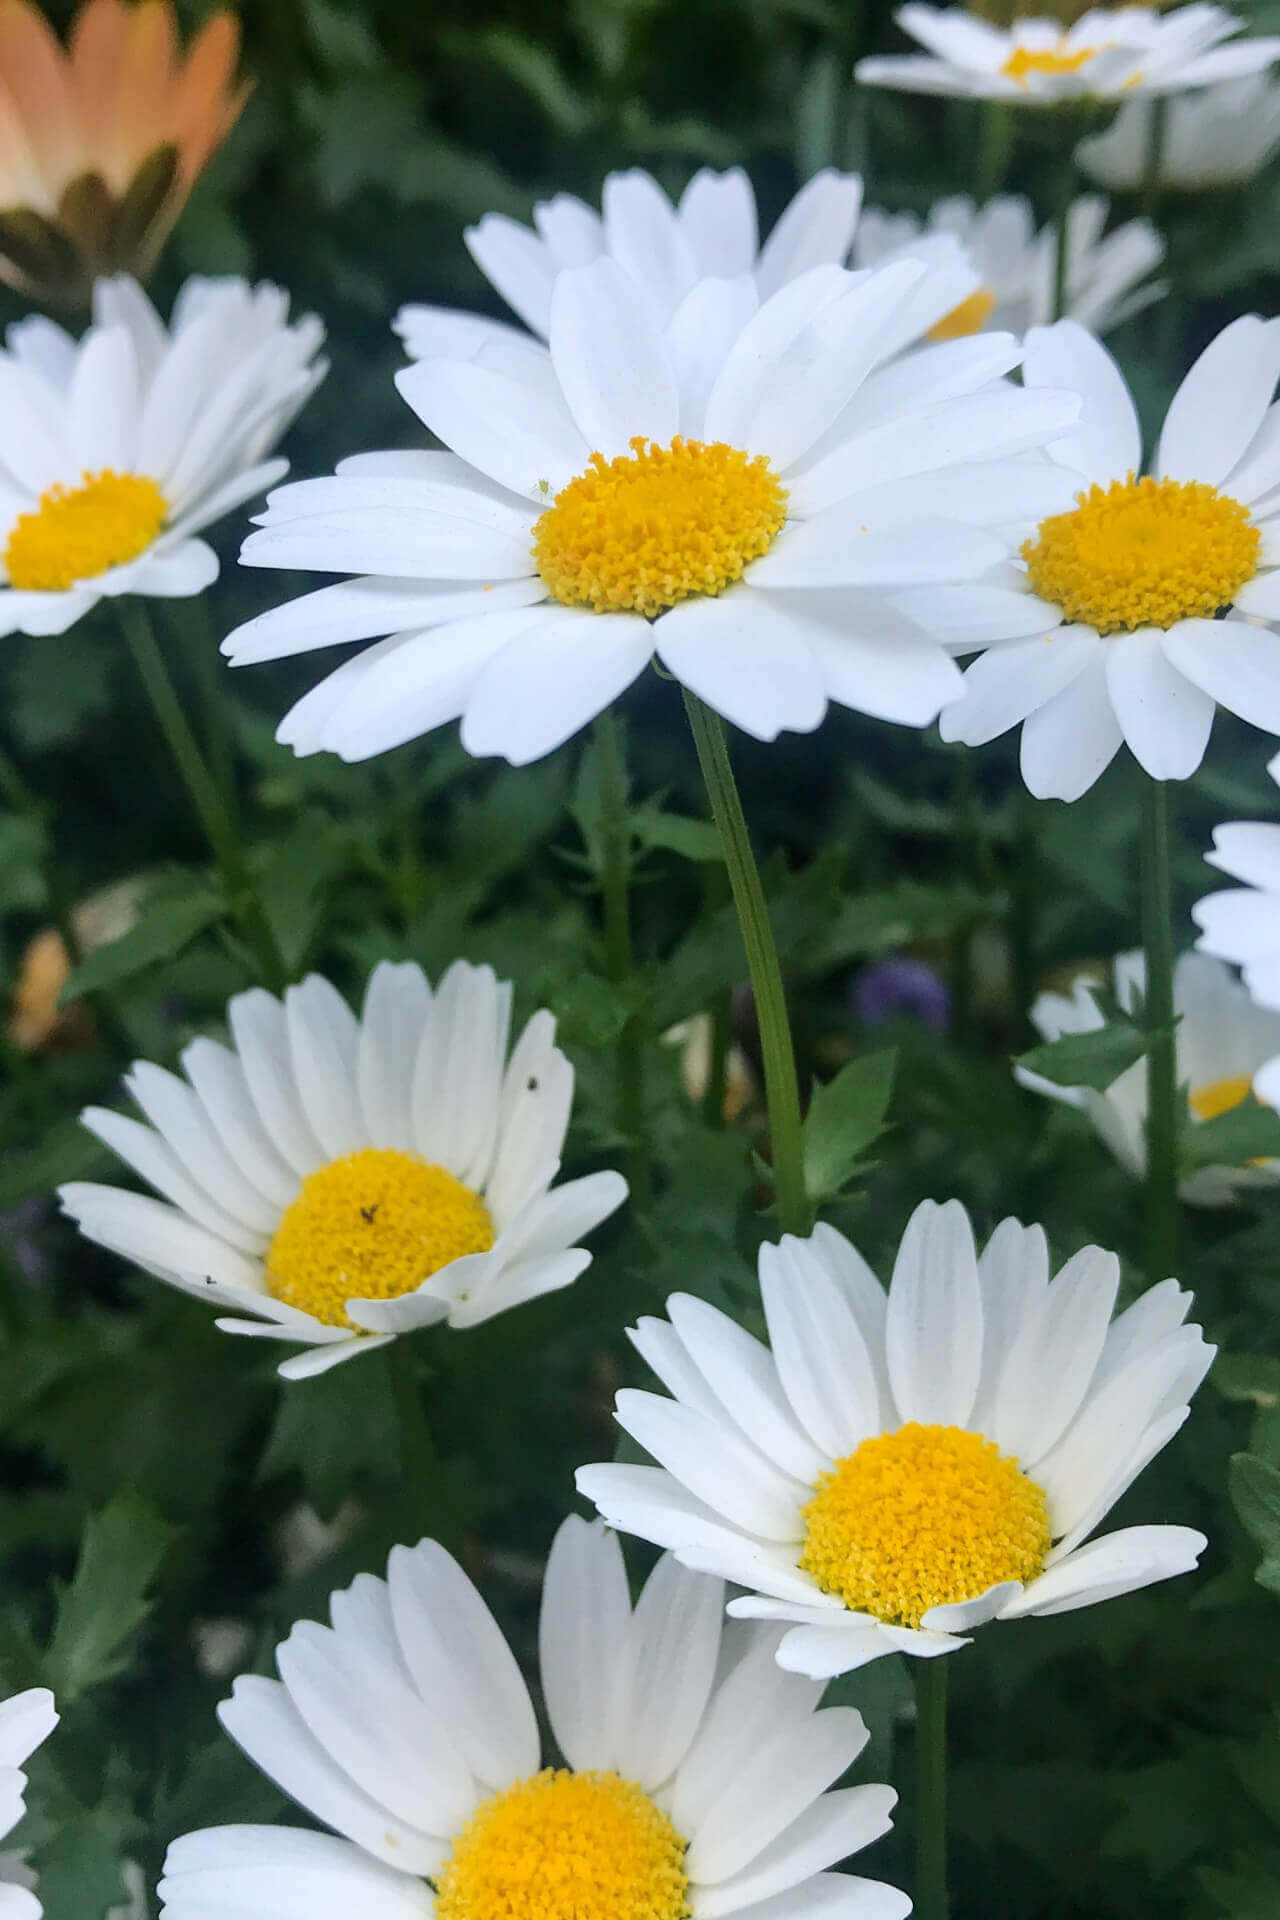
[995, 144]
[1153, 159]
[782, 1090]
[1062, 235]
[615, 889]
[931, 1788]
[428, 1507]
[211, 807]
[1162, 1066]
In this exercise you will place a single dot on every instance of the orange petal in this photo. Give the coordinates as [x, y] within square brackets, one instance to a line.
[206, 110]
[37, 74]
[21, 182]
[140, 114]
[98, 37]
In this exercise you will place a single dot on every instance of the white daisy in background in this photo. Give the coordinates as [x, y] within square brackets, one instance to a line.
[1242, 924]
[1140, 572]
[712, 232]
[1108, 274]
[1222, 1040]
[1220, 137]
[348, 1180]
[888, 1473]
[26, 1721]
[118, 448]
[690, 1779]
[750, 494]
[1108, 53]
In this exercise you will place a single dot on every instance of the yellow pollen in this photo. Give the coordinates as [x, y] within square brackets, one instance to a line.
[372, 1226]
[79, 532]
[971, 316]
[1144, 553]
[649, 528]
[1048, 60]
[1219, 1096]
[923, 1517]
[566, 1846]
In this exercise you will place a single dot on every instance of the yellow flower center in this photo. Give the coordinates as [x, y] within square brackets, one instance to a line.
[658, 525]
[1144, 553]
[1219, 1096]
[922, 1518]
[566, 1846]
[372, 1226]
[79, 532]
[1024, 61]
[971, 316]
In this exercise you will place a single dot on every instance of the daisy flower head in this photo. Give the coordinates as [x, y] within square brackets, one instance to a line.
[750, 493]
[101, 143]
[121, 446]
[1108, 274]
[689, 1780]
[1109, 53]
[1242, 923]
[345, 1180]
[712, 232]
[1152, 587]
[26, 1721]
[1219, 137]
[891, 1472]
[1222, 1041]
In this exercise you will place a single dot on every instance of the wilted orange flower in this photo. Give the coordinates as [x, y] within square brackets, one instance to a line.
[101, 142]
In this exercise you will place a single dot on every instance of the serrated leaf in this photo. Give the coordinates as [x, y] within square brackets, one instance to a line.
[69, 1152]
[107, 1600]
[590, 1011]
[292, 886]
[334, 1430]
[171, 915]
[1246, 1133]
[24, 847]
[1095, 1059]
[80, 1864]
[844, 1117]
[1250, 1377]
[676, 833]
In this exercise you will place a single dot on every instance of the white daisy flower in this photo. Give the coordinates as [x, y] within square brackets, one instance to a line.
[1222, 1040]
[690, 1779]
[712, 232]
[1220, 137]
[26, 1721]
[1108, 53]
[348, 1180]
[1141, 569]
[749, 494]
[1016, 265]
[1242, 924]
[888, 1474]
[118, 448]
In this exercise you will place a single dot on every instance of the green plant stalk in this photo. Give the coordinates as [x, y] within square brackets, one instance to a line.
[427, 1506]
[782, 1091]
[1061, 231]
[995, 146]
[1162, 1059]
[931, 1788]
[619, 959]
[211, 807]
[1153, 160]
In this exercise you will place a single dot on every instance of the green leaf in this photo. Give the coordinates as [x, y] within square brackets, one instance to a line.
[1255, 1493]
[80, 1863]
[676, 833]
[292, 886]
[844, 1117]
[1250, 1377]
[107, 1601]
[174, 911]
[590, 1011]
[335, 1430]
[24, 846]
[69, 1152]
[1095, 1059]
[1246, 1133]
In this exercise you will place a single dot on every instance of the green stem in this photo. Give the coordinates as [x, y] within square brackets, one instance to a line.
[210, 804]
[1061, 235]
[427, 1505]
[931, 1788]
[1153, 160]
[995, 144]
[782, 1090]
[1162, 1060]
[212, 678]
[615, 891]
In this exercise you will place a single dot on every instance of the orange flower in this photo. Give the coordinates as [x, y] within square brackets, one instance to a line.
[102, 142]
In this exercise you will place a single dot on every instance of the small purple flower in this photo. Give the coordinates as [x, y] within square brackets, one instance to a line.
[902, 986]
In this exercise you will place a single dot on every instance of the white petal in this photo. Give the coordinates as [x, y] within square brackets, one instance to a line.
[815, 229]
[1107, 444]
[546, 684]
[1118, 1563]
[104, 402]
[647, 241]
[518, 434]
[821, 1356]
[1236, 665]
[675, 1646]
[584, 1637]
[933, 1334]
[746, 657]
[870, 656]
[323, 1037]
[1072, 739]
[744, 1382]
[718, 215]
[609, 357]
[1166, 720]
[772, 1786]
[259, 1030]
[835, 1826]
[518, 263]
[715, 1464]
[1219, 407]
[1052, 1357]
